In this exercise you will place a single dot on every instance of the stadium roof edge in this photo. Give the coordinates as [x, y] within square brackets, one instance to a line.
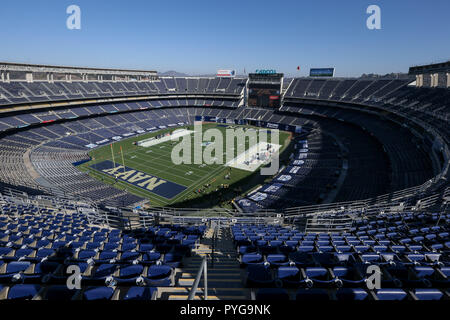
[443, 66]
[40, 67]
[198, 77]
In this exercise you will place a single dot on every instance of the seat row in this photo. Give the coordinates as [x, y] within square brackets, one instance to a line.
[355, 294]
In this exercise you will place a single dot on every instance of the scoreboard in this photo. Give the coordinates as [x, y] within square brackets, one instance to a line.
[321, 72]
[264, 90]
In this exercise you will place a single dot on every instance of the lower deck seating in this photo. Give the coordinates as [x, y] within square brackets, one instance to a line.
[37, 252]
[412, 250]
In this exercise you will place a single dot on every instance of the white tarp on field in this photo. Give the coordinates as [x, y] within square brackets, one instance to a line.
[153, 141]
[249, 159]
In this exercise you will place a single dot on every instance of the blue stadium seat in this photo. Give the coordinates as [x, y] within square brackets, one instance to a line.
[84, 255]
[98, 293]
[391, 294]
[173, 259]
[289, 276]
[321, 277]
[351, 277]
[351, 294]
[302, 259]
[159, 275]
[106, 256]
[247, 249]
[272, 294]
[312, 295]
[128, 256]
[60, 293]
[277, 260]
[103, 271]
[145, 247]
[150, 257]
[23, 291]
[128, 274]
[428, 294]
[251, 258]
[259, 275]
[140, 293]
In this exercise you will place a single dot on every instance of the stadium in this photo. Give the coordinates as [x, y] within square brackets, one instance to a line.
[88, 185]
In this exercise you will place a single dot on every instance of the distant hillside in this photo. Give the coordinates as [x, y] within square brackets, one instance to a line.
[172, 73]
[389, 75]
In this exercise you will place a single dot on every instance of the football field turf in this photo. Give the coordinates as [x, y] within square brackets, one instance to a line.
[149, 172]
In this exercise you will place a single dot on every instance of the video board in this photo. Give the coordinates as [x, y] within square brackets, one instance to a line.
[264, 90]
[321, 72]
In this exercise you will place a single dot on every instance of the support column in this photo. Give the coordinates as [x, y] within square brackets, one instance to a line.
[426, 80]
[419, 80]
[29, 77]
[434, 80]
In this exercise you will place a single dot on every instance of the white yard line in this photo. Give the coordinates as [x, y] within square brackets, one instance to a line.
[202, 174]
[175, 167]
[248, 160]
[180, 173]
[200, 182]
[153, 141]
[167, 173]
[165, 156]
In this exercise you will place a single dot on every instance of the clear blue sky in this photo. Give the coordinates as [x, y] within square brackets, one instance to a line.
[200, 36]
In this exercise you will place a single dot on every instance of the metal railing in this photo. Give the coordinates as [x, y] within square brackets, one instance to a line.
[411, 199]
[214, 241]
[327, 225]
[205, 212]
[203, 270]
[380, 203]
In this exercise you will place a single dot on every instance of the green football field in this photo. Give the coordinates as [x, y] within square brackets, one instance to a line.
[199, 180]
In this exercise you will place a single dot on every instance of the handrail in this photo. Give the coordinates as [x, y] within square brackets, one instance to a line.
[203, 269]
[214, 240]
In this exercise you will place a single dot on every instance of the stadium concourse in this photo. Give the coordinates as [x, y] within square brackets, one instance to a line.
[365, 183]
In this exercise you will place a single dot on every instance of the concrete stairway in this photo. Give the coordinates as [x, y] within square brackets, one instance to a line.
[224, 273]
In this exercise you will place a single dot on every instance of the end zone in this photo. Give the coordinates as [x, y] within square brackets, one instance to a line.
[254, 157]
[154, 141]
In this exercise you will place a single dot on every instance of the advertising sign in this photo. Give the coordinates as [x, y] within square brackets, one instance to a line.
[321, 72]
[226, 73]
